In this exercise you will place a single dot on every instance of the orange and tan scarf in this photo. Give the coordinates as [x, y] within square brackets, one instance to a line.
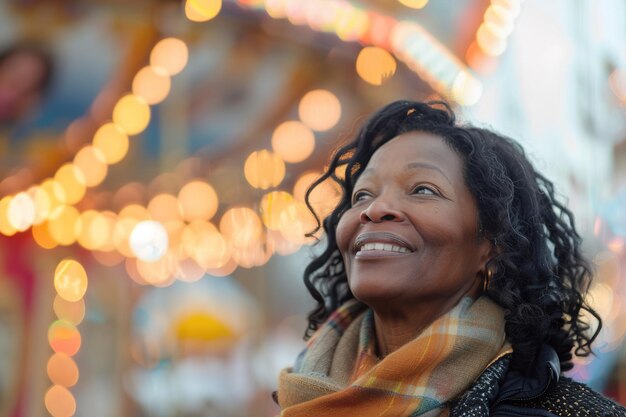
[339, 374]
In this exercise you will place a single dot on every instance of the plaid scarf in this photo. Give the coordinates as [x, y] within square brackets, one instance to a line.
[339, 374]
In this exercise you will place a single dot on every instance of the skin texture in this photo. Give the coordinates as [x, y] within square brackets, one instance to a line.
[412, 194]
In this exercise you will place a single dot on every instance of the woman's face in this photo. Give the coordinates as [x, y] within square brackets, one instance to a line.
[411, 234]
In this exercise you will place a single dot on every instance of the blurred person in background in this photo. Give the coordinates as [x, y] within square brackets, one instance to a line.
[25, 75]
[452, 281]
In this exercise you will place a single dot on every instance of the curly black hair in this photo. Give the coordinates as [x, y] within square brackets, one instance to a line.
[540, 276]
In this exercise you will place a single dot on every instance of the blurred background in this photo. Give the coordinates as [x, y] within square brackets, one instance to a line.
[154, 156]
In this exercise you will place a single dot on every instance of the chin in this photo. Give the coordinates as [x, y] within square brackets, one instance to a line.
[374, 293]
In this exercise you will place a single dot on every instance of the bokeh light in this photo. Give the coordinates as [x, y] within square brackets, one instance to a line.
[296, 220]
[108, 257]
[205, 244]
[241, 226]
[21, 211]
[466, 89]
[95, 229]
[132, 114]
[70, 311]
[188, 270]
[149, 240]
[500, 19]
[165, 208]
[70, 280]
[271, 207]
[152, 84]
[320, 110]
[60, 402]
[256, 254]
[112, 142]
[170, 54]
[41, 201]
[159, 272]
[324, 197]
[72, 182]
[352, 23]
[62, 225]
[42, 236]
[281, 245]
[293, 141]
[276, 8]
[414, 4]
[6, 228]
[198, 200]
[303, 182]
[92, 164]
[64, 337]
[375, 65]
[202, 10]
[490, 41]
[62, 370]
[127, 219]
[56, 196]
[264, 169]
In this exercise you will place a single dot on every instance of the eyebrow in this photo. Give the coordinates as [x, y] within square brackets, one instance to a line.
[413, 165]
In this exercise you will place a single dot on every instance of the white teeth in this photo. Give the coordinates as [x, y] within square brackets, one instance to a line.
[384, 247]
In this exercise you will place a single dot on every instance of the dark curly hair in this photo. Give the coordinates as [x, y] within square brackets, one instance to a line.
[539, 275]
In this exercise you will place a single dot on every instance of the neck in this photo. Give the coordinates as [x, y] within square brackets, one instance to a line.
[396, 326]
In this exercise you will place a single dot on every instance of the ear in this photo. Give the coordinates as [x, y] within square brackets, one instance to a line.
[487, 249]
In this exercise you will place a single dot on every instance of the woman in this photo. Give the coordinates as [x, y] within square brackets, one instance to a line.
[452, 282]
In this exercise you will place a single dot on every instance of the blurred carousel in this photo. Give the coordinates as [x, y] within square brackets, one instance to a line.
[153, 226]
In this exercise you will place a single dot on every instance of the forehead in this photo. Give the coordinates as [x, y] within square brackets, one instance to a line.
[416, 147]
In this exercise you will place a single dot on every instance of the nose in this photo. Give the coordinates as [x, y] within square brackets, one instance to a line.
[379, 211]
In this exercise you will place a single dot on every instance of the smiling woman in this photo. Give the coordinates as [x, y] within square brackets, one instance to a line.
[452, 281]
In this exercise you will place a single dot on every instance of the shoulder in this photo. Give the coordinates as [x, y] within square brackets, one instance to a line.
[570, 398]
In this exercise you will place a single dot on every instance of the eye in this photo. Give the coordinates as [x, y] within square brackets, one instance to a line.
[359, 196]
[424, 190]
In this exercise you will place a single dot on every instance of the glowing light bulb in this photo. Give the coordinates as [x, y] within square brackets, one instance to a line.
[72, 182]
[60, 402]
[70, 280]
[92, 164]
[64, 337]
[264, 169]
[112, 142]
[414, 4]
[71, 311]
[241, 226]
[320, 110]
[21, 212]
[152, 84]
[375, 65]
[171, 54]
[198, 200]
[149, 240]
[293, 141]
[132, 114]
[466, 89]
[62, 370]
[202, 10]
[271, 207]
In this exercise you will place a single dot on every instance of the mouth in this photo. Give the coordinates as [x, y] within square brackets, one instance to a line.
[381, 243]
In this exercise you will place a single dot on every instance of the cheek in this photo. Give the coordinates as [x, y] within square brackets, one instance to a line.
[345, 230]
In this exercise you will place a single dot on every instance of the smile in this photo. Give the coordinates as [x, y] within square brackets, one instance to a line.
[381, 244]
[385, 247]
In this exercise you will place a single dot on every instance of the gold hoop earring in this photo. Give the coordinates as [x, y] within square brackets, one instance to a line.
[487, 279]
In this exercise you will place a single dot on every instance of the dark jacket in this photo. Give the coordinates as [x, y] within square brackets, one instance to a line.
[542, 392]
